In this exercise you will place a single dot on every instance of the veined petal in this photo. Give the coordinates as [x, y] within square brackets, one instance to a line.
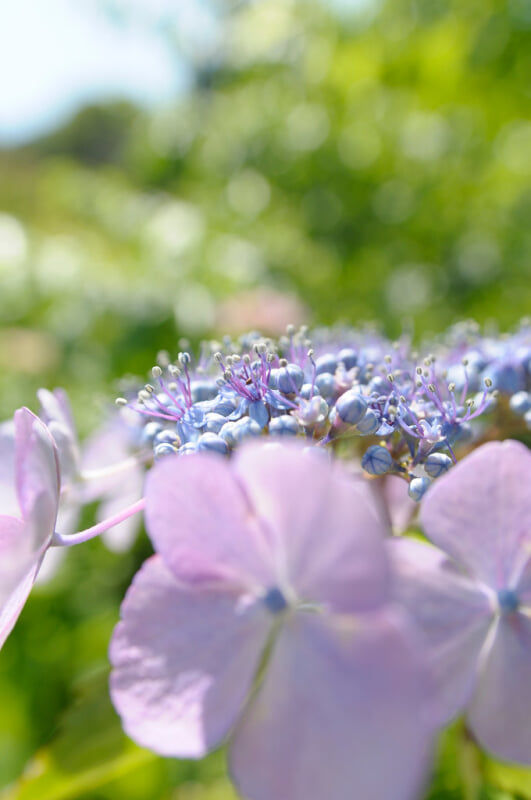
[343, 712]
[453, 612]
[37, 475]
[326, 527]
[184, 661]
[201, 523]
[499, 714]
[480, 511]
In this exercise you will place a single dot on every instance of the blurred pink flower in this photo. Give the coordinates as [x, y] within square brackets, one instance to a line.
[29, 494]
[266, 310]
[277, 556]
[472, 597]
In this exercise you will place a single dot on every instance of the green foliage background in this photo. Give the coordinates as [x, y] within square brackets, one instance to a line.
[371, 164]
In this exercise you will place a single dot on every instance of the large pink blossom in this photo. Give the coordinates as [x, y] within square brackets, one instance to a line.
[471, 595]
[275, 559]
[29, 496]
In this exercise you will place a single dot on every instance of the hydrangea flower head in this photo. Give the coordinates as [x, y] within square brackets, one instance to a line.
[471, 594]
[29, 489]
[265, 615]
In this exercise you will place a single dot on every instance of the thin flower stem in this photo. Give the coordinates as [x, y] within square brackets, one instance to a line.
[59, 540]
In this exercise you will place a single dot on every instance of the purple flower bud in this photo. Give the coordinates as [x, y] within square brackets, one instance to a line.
[377, 460]
[520, 402]
[418, 487]
[351, 407]
[436, 464]
[283, 426]
[369, 424]
[212, 443]
[166, 449]
[290, 379]
[326, 363]
[326, 385]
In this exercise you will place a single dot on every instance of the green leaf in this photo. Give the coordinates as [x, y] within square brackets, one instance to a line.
[509, 778]
[89, 751]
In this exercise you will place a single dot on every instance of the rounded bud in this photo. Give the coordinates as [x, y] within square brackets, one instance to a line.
[418, 487]
[212, 443]
[377, 460]
[436, 464]
[351, 407]
[283, 426]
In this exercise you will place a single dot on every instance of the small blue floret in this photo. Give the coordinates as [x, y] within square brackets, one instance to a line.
[377, 460]
[436, 464]
[418, 488]
[369, 424]
[351, 407]
[508, 601]
[274, 600]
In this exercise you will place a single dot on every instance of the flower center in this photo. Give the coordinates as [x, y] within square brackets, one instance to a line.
[274, 600]
[508, 601]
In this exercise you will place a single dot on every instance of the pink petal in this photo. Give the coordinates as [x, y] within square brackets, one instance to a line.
[480, 512]
[342, 713]
[453, 612]
[57, 414]
[202, 525]
[56, 405]
[8, 496]
[400, 507]
[500, 713]
[326, 525]
[184, 661]
[37, 474]
[18, 568]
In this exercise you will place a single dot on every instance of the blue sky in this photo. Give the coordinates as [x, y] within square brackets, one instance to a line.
[57, 55]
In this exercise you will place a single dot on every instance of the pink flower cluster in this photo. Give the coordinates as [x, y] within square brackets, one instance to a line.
[279, 612]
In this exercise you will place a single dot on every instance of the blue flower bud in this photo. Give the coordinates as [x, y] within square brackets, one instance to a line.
[203, 390]
[418, 487]
[283, 426]
[226, 404]
[273, 379]
[307, 391]
[326, 385]
[164, 449]
[290, 379]
[326, 363]
[167, 436]
[212, 443]
[214, 422]
[369, 424]
[349, 357]
[227, 433]
[187, 449]
[520, 402]
[377, 460]
[149, 431]
[243, 429]
[351, 407]
[379, 385]
[436, 464]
